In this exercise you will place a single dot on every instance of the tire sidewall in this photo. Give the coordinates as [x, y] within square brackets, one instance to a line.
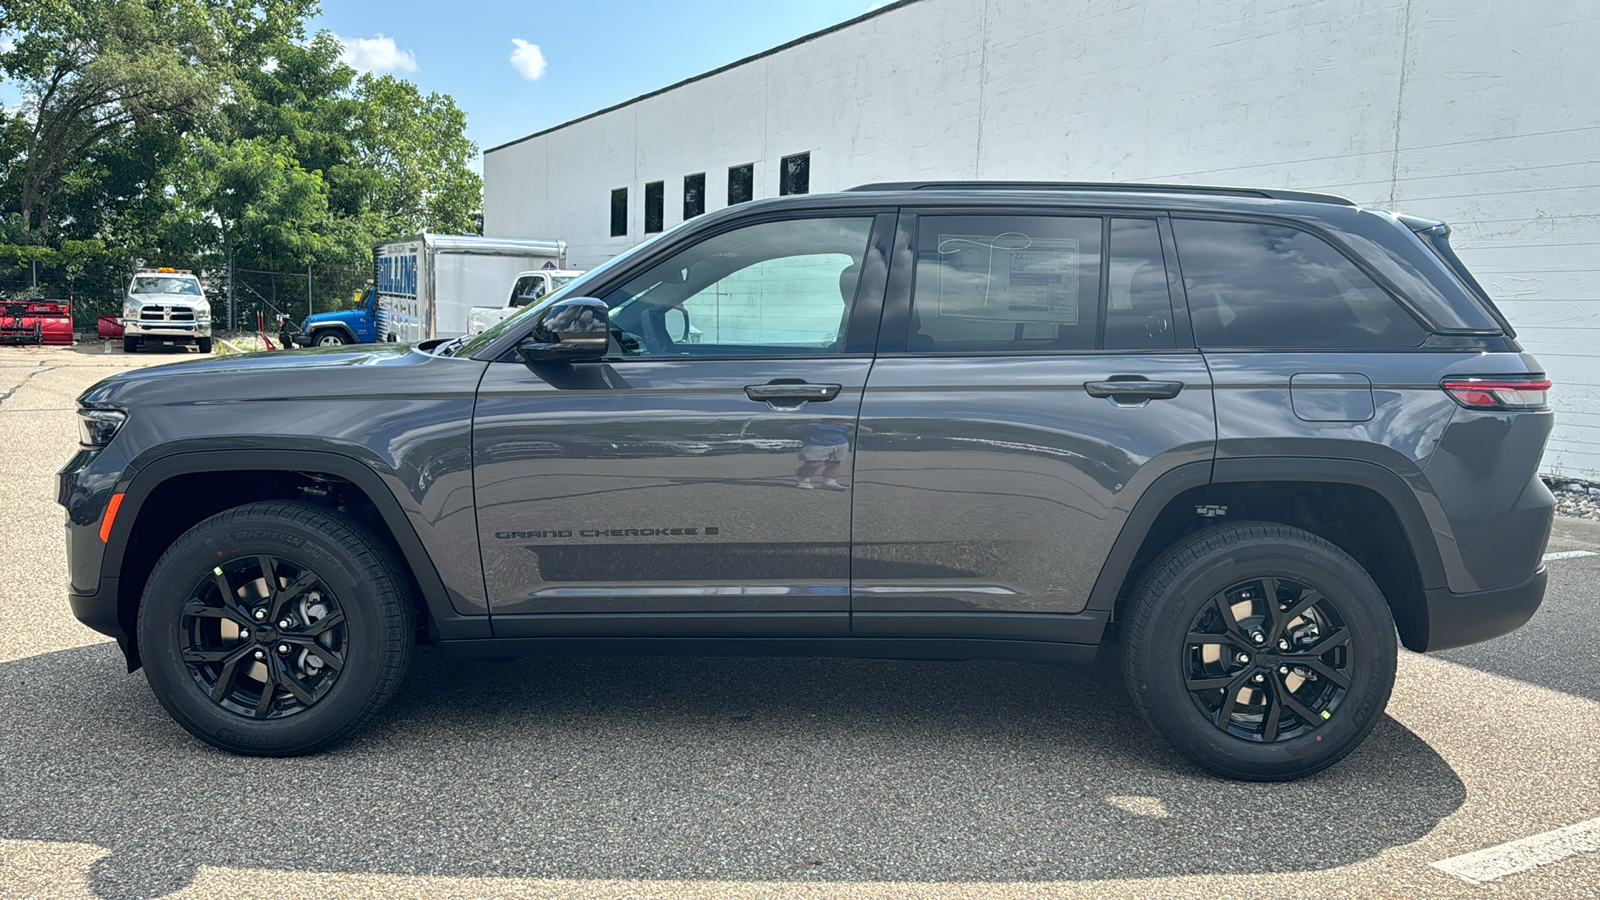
[187, 564]
[1159, 673]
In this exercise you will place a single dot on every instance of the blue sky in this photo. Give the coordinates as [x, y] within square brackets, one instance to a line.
[585, 56]
[594, 54]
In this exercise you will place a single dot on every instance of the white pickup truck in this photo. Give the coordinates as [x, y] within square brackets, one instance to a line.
[529, 288]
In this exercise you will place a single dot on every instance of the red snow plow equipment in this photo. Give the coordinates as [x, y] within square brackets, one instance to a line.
[35, 321]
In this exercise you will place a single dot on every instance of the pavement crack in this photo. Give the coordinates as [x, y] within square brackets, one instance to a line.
[31, 375]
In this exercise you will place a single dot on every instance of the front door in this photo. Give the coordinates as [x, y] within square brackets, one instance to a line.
[698, 479]
[1034, 380]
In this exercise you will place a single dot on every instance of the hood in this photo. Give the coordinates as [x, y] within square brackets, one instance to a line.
[167, 299]
[346, 316]
[220, 377]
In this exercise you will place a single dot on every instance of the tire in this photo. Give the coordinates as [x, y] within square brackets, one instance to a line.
[329, 339]
[1202, 696]
[130, 345]
[346, 621]
[204, 344]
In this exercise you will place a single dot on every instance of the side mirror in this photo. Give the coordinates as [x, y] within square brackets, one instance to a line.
[577, 329]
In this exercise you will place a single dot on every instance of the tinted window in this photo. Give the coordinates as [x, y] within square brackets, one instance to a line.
[1138, 306]
[694, 195]
[796, 174]
[619, 212]
[1255, 285]
[741, 183]
[527, 289]
[655, 200]
[778, 288]
[987, 283]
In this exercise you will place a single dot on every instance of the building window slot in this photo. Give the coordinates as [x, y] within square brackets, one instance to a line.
[741, 183]
[796, 174]
[619, 212]
[655, 195]
[694, 195]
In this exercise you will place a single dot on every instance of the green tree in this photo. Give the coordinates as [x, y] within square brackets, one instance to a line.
[93, 69]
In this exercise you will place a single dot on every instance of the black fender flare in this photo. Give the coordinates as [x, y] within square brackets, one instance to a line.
[149, 475]
[1385, 483]
[349, 336]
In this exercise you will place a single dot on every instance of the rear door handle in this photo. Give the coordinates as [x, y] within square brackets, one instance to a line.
[791, 394]
[1133, 387]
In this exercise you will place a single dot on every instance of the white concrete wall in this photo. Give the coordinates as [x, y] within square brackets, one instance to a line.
[1480, 113]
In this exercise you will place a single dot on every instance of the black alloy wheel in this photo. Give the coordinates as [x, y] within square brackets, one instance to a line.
[264, 637]
[1259, 650]
[276, 628]
[1268, 659]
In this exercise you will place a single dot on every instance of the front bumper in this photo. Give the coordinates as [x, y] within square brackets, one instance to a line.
[191, 330]
[1455, 620]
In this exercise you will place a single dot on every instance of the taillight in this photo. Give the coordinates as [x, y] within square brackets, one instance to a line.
[1500, 391]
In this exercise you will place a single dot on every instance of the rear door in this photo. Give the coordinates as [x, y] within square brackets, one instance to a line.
[1032, 381]
[698, 479]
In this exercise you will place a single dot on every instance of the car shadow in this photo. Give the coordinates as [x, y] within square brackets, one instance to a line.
[1555, 649]
[689, 768]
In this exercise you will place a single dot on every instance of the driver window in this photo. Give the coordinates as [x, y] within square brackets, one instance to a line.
[528, 289]
[775, 288]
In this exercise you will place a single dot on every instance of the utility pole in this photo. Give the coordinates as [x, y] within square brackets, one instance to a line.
[231, 325]
[309, 310]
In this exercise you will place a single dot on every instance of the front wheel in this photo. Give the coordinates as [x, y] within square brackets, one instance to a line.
[331, 339]
[130, 345]
[275, 629]
[1260, 651]
[204, 344]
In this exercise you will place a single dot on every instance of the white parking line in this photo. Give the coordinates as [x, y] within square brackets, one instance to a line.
[1487, 865]
[1568, 554]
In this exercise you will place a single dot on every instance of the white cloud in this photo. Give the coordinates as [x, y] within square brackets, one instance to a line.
[376, 54]
[528, 59]
[6, 44]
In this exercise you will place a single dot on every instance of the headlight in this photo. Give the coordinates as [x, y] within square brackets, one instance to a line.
[130, 309]
[96, 427]
[203, 314]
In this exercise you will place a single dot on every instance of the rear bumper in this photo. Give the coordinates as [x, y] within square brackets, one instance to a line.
[1455, 620]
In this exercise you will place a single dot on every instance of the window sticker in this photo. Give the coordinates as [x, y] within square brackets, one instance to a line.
[1010, 276]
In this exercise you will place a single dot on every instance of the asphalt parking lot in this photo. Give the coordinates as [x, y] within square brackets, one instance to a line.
[757, 778]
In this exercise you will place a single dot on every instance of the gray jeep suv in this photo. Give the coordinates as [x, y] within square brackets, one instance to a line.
[1256, 435]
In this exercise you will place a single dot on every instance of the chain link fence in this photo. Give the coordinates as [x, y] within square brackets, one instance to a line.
[95, 286]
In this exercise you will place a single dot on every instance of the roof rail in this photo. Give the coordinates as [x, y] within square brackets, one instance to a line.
[1103, 187]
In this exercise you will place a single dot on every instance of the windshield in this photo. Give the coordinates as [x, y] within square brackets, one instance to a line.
[572, 286]
[165, 284]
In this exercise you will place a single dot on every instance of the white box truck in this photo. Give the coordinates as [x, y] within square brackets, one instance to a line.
[427, 284]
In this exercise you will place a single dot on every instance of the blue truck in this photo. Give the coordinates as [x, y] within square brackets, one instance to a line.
[425, 286]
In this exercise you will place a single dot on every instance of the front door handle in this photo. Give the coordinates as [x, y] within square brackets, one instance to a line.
[1133, 388]
[767, 393]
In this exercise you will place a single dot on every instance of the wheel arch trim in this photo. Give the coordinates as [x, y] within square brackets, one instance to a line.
[1165, 489]
[151, 475]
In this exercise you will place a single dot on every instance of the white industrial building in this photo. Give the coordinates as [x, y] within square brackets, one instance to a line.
[1478, 112]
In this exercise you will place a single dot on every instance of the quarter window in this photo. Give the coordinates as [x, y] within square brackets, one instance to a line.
[993, 283]
[777, 288]
[1257, 285]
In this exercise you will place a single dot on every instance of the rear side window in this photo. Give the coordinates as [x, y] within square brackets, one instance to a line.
[993, 283]
[1271, 286]
[1138, 306]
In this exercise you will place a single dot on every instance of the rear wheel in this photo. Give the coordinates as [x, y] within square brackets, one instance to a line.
[130, 345]
[330, 339]
[275, 628]
[1260, 651]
